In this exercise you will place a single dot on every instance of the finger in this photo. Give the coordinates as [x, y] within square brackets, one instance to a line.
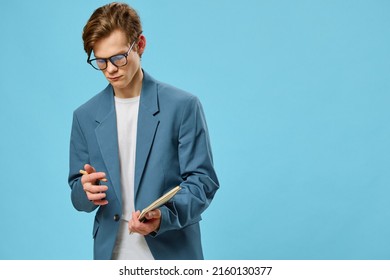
[135, 216]
[100, 202]
[89, 168]
[134, 223]
[93, 177]
[154, 214]
[98, 176]
[130, 226]
[88, 187]
[144, 228]
[95, 196]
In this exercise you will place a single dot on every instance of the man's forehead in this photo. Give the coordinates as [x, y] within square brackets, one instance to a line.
[115, 43]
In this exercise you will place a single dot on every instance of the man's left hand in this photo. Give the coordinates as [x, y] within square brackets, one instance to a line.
[151, 224]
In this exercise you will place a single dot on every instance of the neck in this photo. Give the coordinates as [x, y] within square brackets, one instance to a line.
[133, 89]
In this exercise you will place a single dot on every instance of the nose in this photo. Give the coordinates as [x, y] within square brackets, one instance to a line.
[111, 68]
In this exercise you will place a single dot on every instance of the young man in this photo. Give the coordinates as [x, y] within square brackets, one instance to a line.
[136, 140]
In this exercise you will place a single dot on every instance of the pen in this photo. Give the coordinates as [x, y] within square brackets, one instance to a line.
[86, 173]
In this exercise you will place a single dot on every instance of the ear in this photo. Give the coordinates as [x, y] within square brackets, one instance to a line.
[141, 45]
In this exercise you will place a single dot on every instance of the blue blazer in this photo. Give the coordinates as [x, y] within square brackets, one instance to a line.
[173, 148]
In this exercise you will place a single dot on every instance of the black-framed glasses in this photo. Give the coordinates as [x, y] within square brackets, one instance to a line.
[118, 60]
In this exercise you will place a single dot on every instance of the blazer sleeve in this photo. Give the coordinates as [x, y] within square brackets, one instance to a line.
[77, 158]
[196, 168]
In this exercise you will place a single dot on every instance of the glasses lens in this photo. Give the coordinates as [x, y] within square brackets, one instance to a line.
[119, 60]
[99, 64]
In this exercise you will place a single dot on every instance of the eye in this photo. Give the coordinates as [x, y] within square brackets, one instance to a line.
[118, 58]
[100, 61]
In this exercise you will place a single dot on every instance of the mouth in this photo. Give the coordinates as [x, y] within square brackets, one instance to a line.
[113, 79]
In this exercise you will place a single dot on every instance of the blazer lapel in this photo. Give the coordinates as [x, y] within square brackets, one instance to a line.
[107, 138]
[147, 126]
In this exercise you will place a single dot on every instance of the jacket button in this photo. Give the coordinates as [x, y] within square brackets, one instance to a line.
[116, 217]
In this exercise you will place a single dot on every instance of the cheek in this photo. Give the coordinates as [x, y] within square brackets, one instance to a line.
[133, 62]
[130, 69]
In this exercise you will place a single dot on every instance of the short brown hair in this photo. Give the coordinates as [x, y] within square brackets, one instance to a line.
[108, 18]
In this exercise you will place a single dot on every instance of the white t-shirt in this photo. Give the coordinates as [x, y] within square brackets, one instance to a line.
[128, 246]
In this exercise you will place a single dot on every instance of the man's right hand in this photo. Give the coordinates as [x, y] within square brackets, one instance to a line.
[94, 191]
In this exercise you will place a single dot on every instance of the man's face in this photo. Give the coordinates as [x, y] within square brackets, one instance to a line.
[117, 43]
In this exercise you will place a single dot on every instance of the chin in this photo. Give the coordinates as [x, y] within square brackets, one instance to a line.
[119, 84]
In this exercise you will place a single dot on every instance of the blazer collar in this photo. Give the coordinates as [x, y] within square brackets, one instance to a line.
[148, 122]
[107, 135]
[107, 138]
[149, 97]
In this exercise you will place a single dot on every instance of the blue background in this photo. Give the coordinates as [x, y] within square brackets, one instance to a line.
[296, 95]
